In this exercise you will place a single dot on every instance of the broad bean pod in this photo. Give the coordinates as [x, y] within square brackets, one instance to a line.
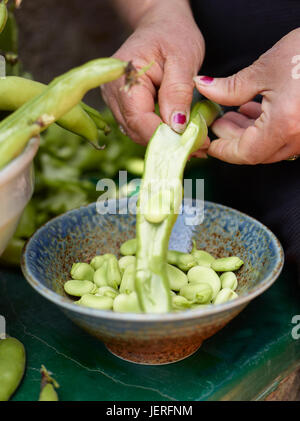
[60, 96]
[3, 14]
[16, 91]
[12, 366]
[152, 283]
[48, 386]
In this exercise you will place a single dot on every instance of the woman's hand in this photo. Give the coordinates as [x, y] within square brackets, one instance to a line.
[168, 35]
[264, 133]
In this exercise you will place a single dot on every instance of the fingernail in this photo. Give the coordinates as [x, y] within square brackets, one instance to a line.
[204, 80]
[178, 121]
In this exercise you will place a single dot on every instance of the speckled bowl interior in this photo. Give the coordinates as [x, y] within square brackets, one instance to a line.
[79, 235]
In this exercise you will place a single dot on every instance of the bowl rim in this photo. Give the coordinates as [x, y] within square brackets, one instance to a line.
[211, 310]
[17, 165]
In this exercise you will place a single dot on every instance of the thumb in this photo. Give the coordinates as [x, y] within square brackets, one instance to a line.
[233, 90]
[175, 94]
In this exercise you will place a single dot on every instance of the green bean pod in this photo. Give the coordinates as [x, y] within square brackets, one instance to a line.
[164, 174]
[12, 366]
[16, 91]
[3, 14]
[61, 95]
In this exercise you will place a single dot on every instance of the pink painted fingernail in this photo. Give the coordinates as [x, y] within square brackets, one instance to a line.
[178, 121]
[204, 80]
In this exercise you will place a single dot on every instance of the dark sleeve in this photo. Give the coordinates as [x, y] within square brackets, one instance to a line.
[237, 32]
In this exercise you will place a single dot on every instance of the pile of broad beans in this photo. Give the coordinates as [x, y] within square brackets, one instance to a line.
[196, 280]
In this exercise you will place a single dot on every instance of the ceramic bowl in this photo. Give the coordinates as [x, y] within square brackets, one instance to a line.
[16, 188]
[80, 234]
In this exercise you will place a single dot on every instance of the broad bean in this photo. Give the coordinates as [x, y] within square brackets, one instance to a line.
[97, 262]
[183, 261]
[107, 292]
[226, 294]
[127, 303]
[197, 293]
[126, 261]
[79, 288]
[128, 280]
[202, 257]
[227, 264]
[201, 274]
[100, 302]
[229, 280]
[82, 272]
[128, 248]
[113, 274]
[100, 276]
[180, 303]
[177, 279]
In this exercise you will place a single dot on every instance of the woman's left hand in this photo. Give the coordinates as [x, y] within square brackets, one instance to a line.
[259, 133]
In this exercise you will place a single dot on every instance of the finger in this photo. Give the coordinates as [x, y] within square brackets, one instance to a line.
[233, 90]
[227, 129]
[176, 93]
[110, 99]
[137, 109]
[251, 109]
[239, 119]
[282, 154]
[252, 147]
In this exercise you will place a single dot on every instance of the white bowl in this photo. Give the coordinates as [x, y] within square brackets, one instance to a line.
[16, 188]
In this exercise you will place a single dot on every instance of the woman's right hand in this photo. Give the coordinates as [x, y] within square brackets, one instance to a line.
[168, 35]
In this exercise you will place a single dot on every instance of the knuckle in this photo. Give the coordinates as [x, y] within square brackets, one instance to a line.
[130, 118]
[181, 90]
[250, 154]
[290, 120]
[234, 84]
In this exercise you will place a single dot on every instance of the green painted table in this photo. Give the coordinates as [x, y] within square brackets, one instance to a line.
[246, 360]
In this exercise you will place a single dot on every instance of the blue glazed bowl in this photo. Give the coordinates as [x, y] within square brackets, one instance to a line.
[80, 234]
